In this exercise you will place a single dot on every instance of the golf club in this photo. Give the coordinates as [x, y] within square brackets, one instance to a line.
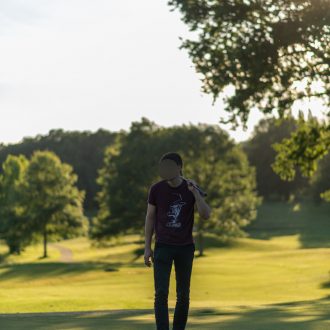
[203, 193]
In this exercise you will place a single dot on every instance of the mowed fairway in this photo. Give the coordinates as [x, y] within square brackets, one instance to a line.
[278, 278]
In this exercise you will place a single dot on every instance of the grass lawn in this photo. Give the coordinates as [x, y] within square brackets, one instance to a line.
[277, 278]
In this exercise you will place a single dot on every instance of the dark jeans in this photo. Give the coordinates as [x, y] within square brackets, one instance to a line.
[183, 256]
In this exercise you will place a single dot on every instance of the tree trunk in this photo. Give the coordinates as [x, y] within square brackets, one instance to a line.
[200, 242]
[14, 248]
[45, 242]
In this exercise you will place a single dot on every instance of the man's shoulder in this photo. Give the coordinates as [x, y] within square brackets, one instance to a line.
[157, 184]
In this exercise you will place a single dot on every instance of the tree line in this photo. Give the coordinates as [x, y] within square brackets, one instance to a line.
[44, 180]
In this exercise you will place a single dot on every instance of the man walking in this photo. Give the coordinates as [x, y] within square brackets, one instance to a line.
[170, 214]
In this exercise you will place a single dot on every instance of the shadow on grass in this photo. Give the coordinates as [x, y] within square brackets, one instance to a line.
[295, 315]
[3, 257]
[311, 222]
[36, 270]
[326, 284]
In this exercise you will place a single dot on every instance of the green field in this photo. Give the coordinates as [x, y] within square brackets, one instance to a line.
[277, 278]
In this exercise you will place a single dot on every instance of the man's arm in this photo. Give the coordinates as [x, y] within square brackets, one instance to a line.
[149, 230]
[203, 208]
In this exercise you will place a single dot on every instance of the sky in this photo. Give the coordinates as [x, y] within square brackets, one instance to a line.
[85, 65]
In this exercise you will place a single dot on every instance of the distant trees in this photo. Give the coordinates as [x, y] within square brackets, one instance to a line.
[83, 150]
[296, 181]
[38, 199]
[320, 182]
[261, 154]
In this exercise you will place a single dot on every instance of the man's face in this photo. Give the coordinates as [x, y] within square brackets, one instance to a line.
[168, 169]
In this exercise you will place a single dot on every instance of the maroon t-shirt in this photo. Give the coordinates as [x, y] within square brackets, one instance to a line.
[174, 212]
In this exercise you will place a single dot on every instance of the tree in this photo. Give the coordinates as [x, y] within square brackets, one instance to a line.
[54, 203]
[320, 182]
[274, 54]
[124, 178]
[15, 227]
[303, 149]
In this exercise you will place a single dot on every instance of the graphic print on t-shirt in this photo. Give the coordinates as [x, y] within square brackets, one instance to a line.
[173, 214]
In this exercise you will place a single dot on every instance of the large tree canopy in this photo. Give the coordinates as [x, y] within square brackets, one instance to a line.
[262, 48]
[276, 55]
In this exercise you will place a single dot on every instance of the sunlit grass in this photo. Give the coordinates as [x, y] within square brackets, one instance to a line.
[274, 277]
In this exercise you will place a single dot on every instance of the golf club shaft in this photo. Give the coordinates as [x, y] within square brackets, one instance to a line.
[203, 193]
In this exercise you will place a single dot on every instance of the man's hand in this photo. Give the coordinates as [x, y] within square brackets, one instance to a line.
[148, 254]
[204, 209]
[191, 187]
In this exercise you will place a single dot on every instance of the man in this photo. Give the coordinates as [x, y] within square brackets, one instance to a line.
[170, 214]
